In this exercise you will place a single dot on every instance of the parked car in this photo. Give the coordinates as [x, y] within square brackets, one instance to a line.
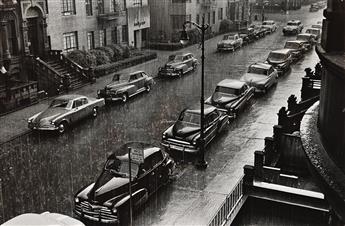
[184, 135]
[318, 25]
[280, 59]
[178, 65]
[124, 86]
[296, 48]
[293, 27]
[231, 96]
[270, 25]
[46, 219]
[107, 200]
[307, 39]
[261, 76]
[314, 7]
[230, 42]
[314, 31]
[258, 31]
[247, 35]
[64, 111]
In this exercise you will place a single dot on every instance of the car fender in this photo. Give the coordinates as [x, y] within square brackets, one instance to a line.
[126, 89]
[139, 197]
[182, 67]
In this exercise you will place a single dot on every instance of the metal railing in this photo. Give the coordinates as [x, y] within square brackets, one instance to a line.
[227, 209]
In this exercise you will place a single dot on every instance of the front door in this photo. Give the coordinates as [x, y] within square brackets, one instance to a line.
[35, 36]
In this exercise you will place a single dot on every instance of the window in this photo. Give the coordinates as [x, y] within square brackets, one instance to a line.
[68, 7]
[208, 17]
[102, 38]
[114, 6]
[77, 103]
[90, 40]
[137, 2]
[100, 6]
[114, 35]
[197, 19]
[214, 17]
[70, 41]
[88, 5]
[220, 13]
[178, 20]
[124, 33]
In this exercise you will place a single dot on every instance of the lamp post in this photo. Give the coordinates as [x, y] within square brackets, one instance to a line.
[201, 162]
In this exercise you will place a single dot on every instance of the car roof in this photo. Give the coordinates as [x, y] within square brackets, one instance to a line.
[295, 41]
[44, 219]
[147, 148]
[305, 34]
[261, 65]
[231, 83]
[268, 21]
[196, 109]
[69, 97]
[282, 51]
[294, 21]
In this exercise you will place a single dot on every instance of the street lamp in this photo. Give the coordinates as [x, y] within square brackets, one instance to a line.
[184, 39]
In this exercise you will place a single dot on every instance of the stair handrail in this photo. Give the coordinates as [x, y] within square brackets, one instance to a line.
[85, 73]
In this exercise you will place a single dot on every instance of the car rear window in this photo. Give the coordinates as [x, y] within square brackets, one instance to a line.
[257, 70]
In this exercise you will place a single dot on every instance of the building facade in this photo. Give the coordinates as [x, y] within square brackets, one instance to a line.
[168, 16]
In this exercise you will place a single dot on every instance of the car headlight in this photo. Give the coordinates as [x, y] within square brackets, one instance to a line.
[98, 92]
[76, 200]
[164, 136]
[114, 210]
[52, 122]
[194, 143]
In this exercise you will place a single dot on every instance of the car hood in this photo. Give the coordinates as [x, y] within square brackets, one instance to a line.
[290, 27]
[254, 78]
[184, 130]
[115, 85]
[219, 99]
[231, 42]
[173, 63]
[107, 186]
[50, 114]
[275, 61]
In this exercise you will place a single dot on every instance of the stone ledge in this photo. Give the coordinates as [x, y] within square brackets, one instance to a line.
[328, 175]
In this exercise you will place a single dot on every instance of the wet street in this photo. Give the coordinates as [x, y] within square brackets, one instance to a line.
[42, 172]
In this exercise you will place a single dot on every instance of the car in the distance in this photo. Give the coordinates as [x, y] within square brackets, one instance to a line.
[293, 27]
[231, 96]
[261, 76]
[270, 25]
[314, 7]
[230, 42]
[107, 200]
[184, 135]
[46, 219]
[296, 48]
[124, 86]
[247, 35]
[314, 31]
[280, 59]
[178, 65]
[64, 111]
[307, 39]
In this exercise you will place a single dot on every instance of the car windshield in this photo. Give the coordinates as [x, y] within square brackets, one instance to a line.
[292, 24]
[120, 78]
[226, 90]
[190, 118]
[176, 58]
[61, 103]
[257, 70]
[229, 37]
[276, 56]
[121, 167]
[303, 37]
[291, 45]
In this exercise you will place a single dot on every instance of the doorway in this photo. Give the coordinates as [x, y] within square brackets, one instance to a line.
[35, 36]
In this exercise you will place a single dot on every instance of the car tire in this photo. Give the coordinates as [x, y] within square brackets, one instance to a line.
[180, 73]
[62, 127]
[124, 97]
[94, 112]
[148, 88]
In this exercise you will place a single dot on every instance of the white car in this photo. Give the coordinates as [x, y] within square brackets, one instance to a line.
[314, 31]
[230, 42]
[270, 24]
[46, 218]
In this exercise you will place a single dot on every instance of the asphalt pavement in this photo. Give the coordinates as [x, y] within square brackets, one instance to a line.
[42, 172]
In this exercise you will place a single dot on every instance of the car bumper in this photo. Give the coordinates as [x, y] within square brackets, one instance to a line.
[40, 127]
[100, 214]
[177, 145]
[109, 97]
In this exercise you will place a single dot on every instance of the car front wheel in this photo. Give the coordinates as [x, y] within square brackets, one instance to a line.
[62, 127]
[124, 97]
[148, 88]
[180, 73]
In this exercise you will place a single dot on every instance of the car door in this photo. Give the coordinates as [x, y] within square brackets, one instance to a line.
[134, 82]
[186, 62]
[212, 126]
[150, 174]
[86, 108]
[76, 113]
[141, 80]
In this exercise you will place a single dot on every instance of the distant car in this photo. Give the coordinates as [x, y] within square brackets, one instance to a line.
[184, 135]
[314, 7]
[280, 59]
[261, 76]
[247, 35]
[46, 219]
[124, 86]
[178, 65]
[270, 24]
[64, 111]
[293, 27]
[259, 32]
[296, 48]
[318, 26]
[107, 200]
[230, 42]
[314, 31]
[307, 39]
[231, 96]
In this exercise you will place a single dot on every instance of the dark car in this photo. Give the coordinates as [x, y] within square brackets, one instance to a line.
[124, 86]
[107, 200]
[184, 135]
[247, 35]
[63, 111]
[280, 59]
[259, 32]
[231, 96]
[178, 65]
[296, 48]
[270, 24]
[293, 27]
